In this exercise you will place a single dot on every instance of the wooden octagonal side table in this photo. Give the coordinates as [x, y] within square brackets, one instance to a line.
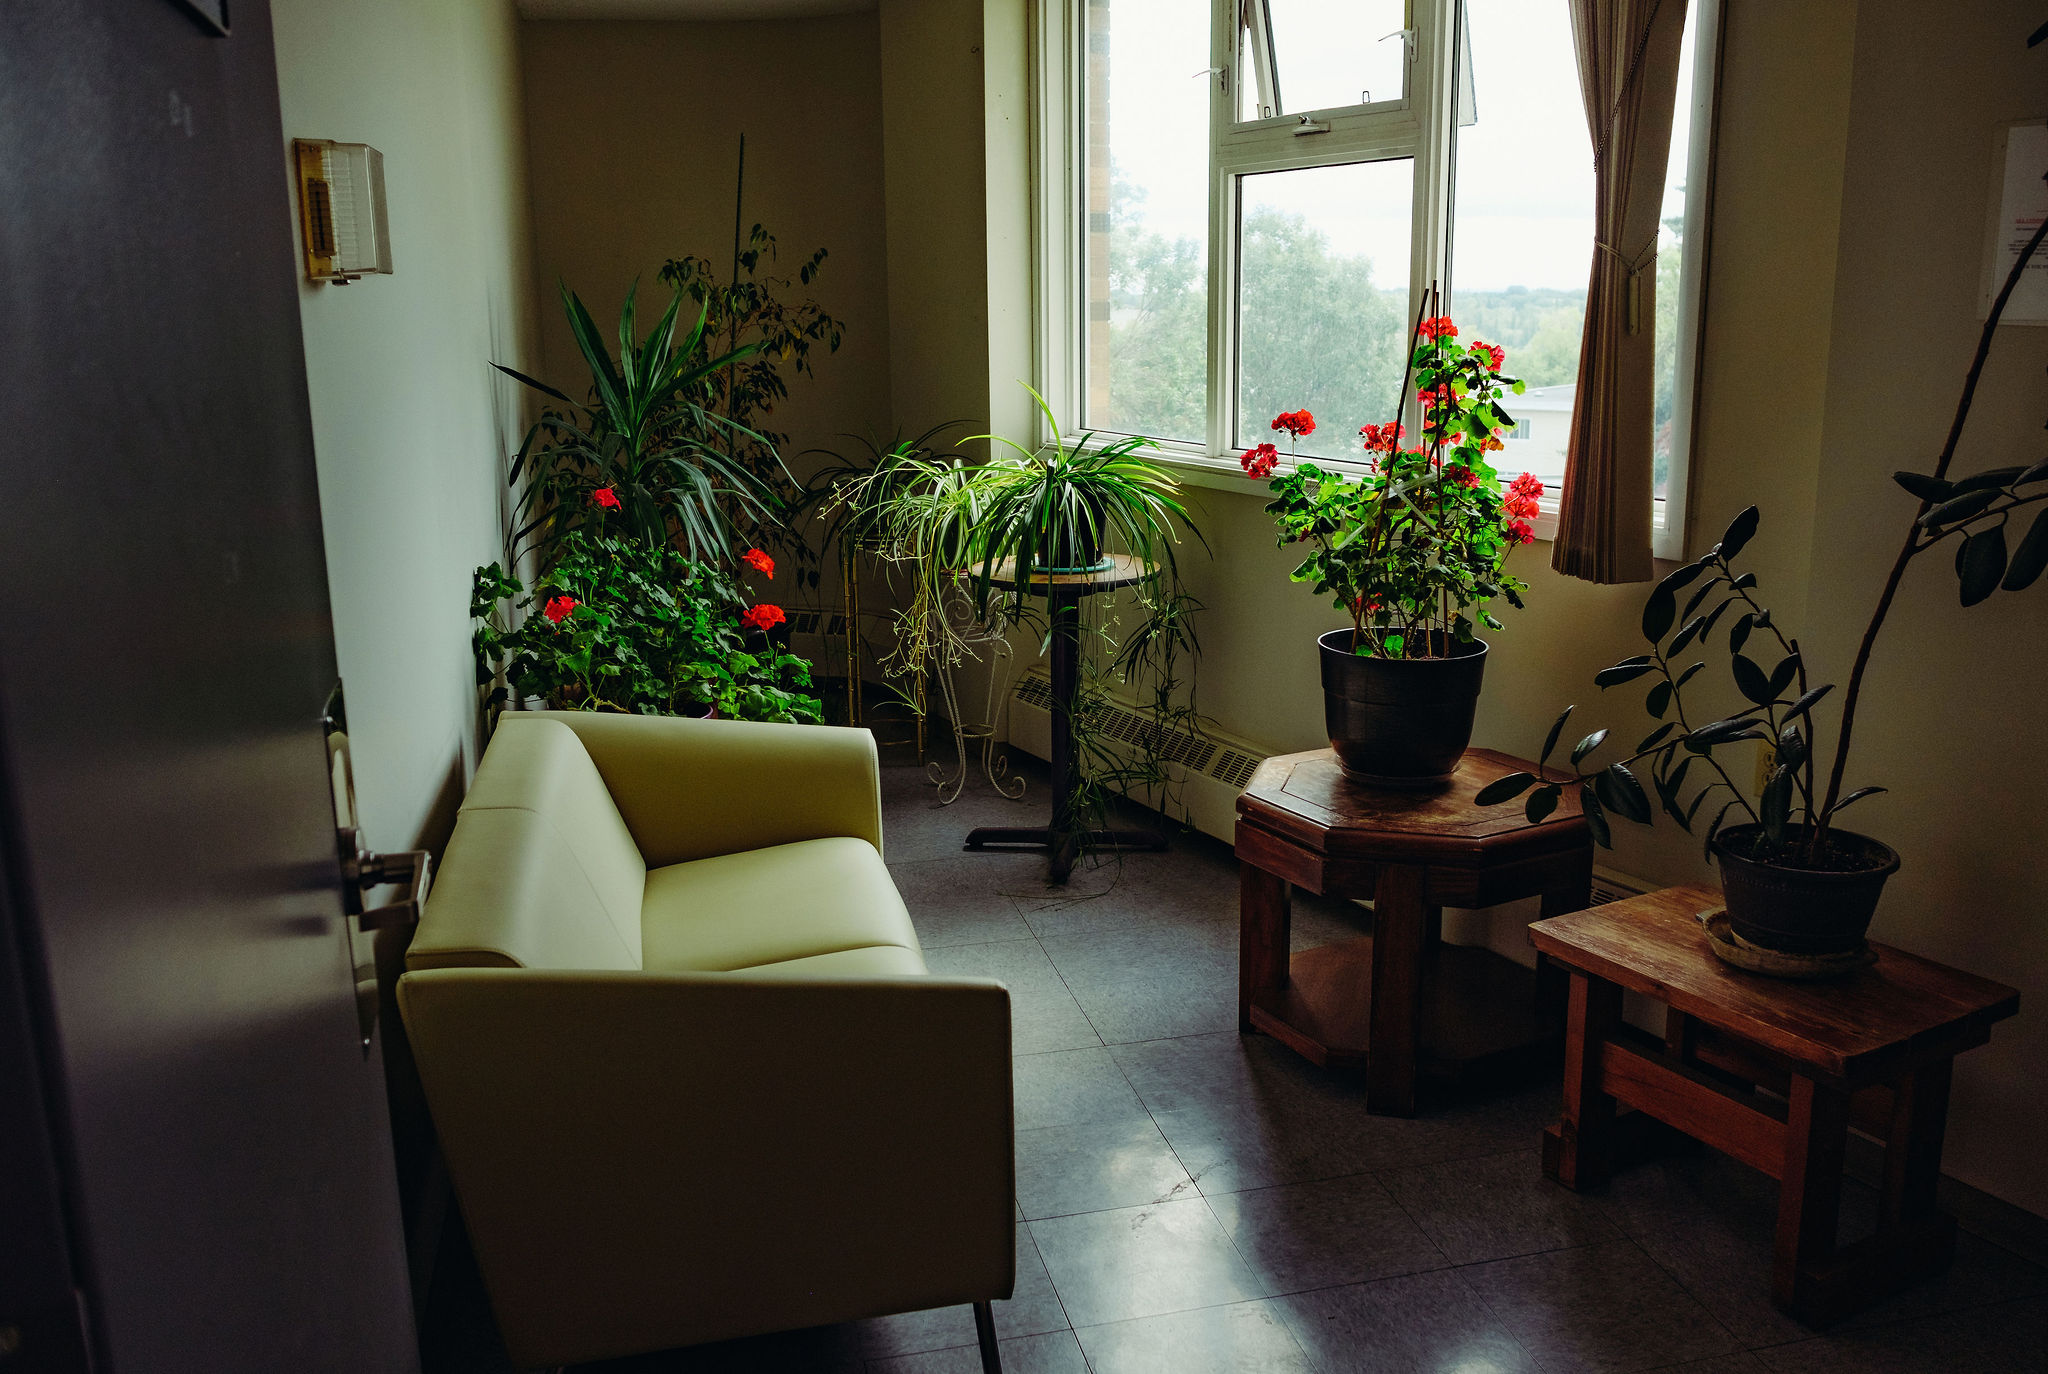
[1398, 1003]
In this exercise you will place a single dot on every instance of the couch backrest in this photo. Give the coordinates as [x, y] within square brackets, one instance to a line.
[541, 871]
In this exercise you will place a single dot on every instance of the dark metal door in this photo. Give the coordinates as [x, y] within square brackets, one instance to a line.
[185, 1016]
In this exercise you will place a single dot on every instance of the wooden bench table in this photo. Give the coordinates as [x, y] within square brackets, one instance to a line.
[1774, 1073]
[1398, 1003]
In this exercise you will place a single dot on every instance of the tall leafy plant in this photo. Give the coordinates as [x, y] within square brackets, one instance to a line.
[1795, 815]
[749, 305]
[644, 434]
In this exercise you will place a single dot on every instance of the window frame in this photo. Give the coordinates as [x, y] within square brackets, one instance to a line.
[1421, 125]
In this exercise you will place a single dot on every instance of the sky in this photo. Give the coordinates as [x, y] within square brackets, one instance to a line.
[1525, 168]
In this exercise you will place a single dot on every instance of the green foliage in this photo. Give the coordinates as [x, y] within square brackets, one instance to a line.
[1413, 550]
[751, 309]
[1539, 326]
[1793, 814]
[617, 624]
[644, 435]
[1039, 510]
[1314, 331]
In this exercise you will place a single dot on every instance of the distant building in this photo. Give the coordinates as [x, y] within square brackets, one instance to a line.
[1543, 427]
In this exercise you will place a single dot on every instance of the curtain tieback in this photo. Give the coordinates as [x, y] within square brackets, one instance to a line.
[1634, 267]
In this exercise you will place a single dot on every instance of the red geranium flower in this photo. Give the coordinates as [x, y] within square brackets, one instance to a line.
[1520, 532]
[762, 617]
[1382, 438]
[1259, 462]
[1299, 423]
[1520, 499]
[1463, 476]
[1494, 353]
[759, 562]
[558, 608]
[605, 497]
[1440, 327]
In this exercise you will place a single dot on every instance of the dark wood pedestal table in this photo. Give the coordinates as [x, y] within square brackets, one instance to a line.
[1062, 839]
[1774, 1073]
[1399, 1003]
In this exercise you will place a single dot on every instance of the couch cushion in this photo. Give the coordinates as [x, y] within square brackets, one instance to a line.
[510, 894]
[875, 961]
[541, 871]
[772, 906]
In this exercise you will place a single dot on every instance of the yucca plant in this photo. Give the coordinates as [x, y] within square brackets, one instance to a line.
[1047, 509]
[640, 436]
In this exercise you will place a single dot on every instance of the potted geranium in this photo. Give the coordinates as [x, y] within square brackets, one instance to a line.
[1794, 880]
[1411, 551]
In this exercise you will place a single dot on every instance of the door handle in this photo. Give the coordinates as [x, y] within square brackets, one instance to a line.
[363, 869]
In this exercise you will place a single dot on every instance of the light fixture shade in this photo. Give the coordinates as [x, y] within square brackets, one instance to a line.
[342, 218]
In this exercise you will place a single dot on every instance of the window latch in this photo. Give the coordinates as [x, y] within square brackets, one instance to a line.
[1222, 75]
[1311, 126]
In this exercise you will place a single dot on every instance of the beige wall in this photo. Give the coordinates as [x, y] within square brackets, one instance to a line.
[410, 426]
[934, 113]
[634, 130]
[1952, 720]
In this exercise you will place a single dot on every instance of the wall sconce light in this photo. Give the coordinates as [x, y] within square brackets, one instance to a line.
[341, 210]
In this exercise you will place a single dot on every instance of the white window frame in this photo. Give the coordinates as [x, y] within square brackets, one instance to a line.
[1420, 125]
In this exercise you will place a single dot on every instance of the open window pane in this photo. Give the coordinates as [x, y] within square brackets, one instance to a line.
[1323, 264]
[1300, 55]
[1522, 230]
[1147, 112]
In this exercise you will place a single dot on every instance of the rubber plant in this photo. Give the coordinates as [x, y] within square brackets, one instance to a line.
[1796, 812]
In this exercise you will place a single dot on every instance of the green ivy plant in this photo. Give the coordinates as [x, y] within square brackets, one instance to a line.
[618, 624]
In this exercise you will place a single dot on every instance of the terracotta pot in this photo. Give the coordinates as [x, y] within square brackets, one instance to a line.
[1802, 910]
[1399, 722]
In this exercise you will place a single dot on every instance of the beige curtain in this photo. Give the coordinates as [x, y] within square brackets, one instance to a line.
[1628, 71]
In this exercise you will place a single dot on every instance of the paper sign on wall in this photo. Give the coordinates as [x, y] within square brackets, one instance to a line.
[2020, 201]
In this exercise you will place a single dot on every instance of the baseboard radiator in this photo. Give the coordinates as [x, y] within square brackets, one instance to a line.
[1208, 770]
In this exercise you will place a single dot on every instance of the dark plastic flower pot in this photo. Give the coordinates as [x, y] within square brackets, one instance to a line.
[1076, 548]
[1399, 722]
[1802, 910]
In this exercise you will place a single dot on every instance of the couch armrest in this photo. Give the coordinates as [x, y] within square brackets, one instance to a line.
[650, 1160]
[690, 789]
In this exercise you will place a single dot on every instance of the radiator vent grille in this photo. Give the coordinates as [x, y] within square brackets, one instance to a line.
[1615, 887]
[1228, 765]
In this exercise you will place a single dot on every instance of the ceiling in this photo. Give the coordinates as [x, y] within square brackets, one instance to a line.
[688, 9]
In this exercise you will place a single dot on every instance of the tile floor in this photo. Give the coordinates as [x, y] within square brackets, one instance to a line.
[1192, 1201]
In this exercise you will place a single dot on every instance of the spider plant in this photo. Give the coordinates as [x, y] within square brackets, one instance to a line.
[1040, 509]
[634, 439]
[914, 506]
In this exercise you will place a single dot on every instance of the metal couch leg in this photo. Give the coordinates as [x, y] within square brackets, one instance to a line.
[985, 1329]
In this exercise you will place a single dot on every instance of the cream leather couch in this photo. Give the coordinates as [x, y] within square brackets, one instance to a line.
[688, 1070]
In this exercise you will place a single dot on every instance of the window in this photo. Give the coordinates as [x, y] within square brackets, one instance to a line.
[1246, 202]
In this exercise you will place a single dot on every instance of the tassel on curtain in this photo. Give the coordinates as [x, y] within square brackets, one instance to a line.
[1628, 73]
